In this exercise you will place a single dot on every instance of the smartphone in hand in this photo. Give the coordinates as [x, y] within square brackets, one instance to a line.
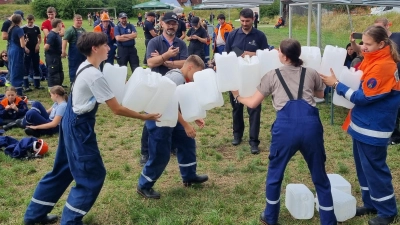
[357, 35]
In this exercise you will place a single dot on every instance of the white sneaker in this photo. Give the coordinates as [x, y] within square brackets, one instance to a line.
[319, 100]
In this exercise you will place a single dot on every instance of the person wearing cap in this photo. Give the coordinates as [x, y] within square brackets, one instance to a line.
[246, 41]
[7, 24]
[75, 58]
[98, 20]
[46, 25]
[220, 34]
[164, 52]
[149, 31]
[106, 27]
[197, 37]
[125, 34]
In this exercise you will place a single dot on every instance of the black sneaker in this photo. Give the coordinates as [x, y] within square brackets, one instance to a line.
[27, 90]
[255, 150]
[361, 211]
[382, 220]
[49, 219]
[197, 180]
[32, 132]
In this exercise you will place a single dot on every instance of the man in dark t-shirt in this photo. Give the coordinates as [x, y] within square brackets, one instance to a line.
[32, 58]
[53, 50]
[149, 31]
[197, 37]
[7, 24]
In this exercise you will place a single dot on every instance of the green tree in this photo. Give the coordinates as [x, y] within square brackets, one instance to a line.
[270, 10]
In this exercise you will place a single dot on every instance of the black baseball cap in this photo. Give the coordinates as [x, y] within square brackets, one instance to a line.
[19, 12]
[151, 14]
[170, 16]
[122, 15]
[195, 20]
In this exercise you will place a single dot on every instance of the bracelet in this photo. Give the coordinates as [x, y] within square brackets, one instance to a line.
[236, 98]
[335, 84]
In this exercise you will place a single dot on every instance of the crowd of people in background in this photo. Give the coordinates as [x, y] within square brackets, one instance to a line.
[177, 46]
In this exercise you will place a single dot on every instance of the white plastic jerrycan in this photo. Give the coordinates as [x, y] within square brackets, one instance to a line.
[188, 103]
[169, 117]
[206, 89]
[116, 78]
[136, 75]
[227, 71]
[311, 56]
[250, 77]
[351, 78]
[334, 58]
[164, 93]
[139, 94]
[339, 183]
[344, 205]
[269, 60]
[299, 201]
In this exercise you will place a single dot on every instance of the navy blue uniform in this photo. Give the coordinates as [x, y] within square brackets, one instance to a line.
[16, 58]
[53, 60]
[126, 50]
[147, 27]
[251, 42]
[32, 58]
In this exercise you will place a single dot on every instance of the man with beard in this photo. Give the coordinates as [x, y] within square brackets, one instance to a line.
[125, 34]
[164, 52]
[246, 40]
[75, 58]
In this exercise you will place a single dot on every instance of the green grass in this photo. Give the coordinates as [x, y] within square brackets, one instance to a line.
[235, 192]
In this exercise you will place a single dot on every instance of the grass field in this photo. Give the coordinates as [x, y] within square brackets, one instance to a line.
[235, 192]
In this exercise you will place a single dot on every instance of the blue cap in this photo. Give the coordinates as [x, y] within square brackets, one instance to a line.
[19, 12]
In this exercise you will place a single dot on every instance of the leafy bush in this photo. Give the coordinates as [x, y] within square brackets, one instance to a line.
[270, 10]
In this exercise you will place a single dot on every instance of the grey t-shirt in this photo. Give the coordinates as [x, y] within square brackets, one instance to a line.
[90, 87]
[270, 84]
[176, 76]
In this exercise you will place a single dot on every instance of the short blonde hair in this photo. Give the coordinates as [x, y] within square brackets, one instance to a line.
[196, 61]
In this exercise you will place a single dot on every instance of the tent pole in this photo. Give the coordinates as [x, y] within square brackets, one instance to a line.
[350, 20]
[309, 23]
[319, 19]
[290, 21]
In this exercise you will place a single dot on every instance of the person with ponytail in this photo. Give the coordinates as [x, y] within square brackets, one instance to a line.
[372, 122]
[293, 88]
[16, 50]
[39, 121]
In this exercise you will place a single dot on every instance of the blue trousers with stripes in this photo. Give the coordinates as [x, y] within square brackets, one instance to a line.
[160, 139]
[375, 178]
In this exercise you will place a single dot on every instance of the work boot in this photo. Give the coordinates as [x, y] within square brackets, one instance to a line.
[197, 180]
[32, 132]
[381, 220]
[8, 126]
[49, 219]
[255, 150]
[236, 141]
[361, 211]
[148, 193]
[262, 220]
[20, 123]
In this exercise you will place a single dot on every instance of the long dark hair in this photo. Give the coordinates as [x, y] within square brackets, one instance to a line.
[291, 48]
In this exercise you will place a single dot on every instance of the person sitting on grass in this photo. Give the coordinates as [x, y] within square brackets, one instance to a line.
[39, 121]
[12, 109]
[280, 23]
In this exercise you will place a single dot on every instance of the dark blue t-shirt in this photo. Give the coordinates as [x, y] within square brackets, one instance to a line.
[147, 27]
[120, 30]
[54, 40]
[246, 42]
[15, 35]
[395, 37]
[160, 44]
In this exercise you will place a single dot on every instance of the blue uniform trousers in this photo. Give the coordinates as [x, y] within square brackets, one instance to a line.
[32, 60]
[374, 177]
[16, 66]
[78, 158]
[75, 58]
[38, 115]
[160, 150]
[298, 127]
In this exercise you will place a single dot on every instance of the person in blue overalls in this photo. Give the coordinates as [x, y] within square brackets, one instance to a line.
[373, 119]
[78, 157]
[75, 58]
[161, 138]
[16, 51]
[293, 88]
